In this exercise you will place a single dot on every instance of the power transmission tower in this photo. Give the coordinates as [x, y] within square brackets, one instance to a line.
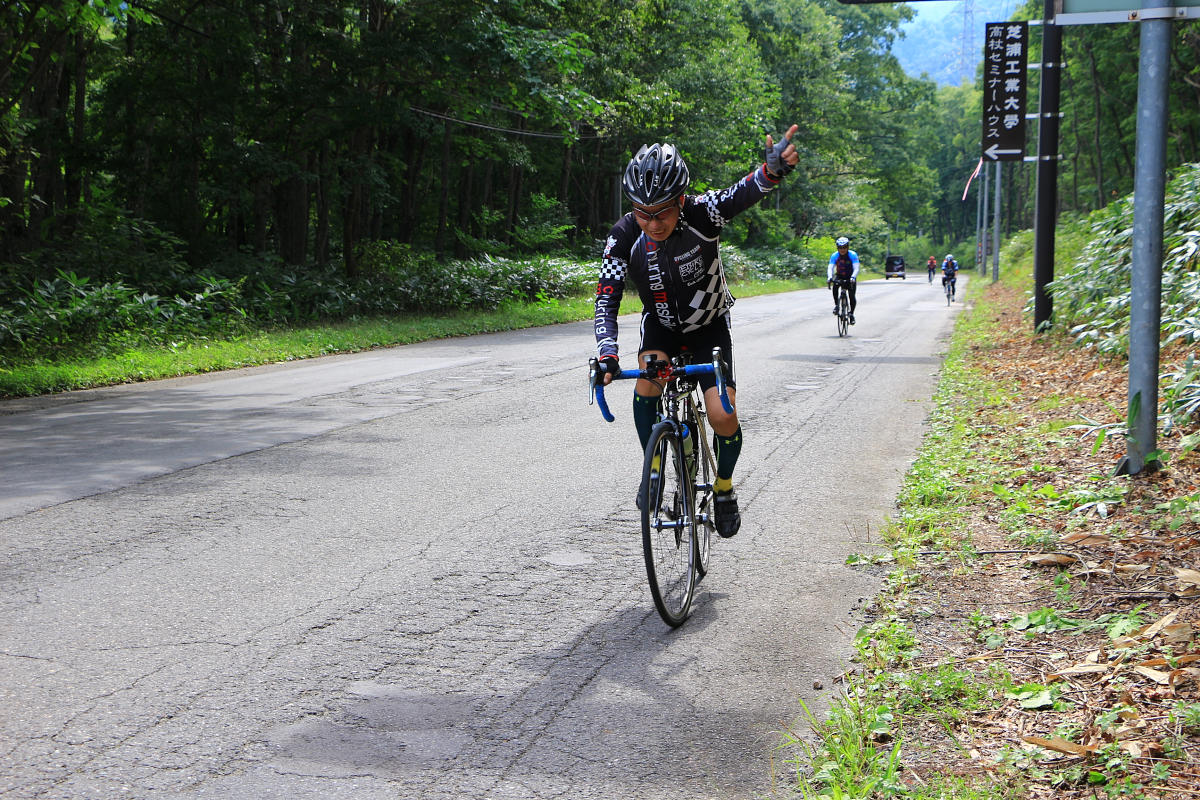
[969, 53]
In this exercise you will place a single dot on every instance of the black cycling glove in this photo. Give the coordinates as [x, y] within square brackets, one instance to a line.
[607, 364]
[775, 163]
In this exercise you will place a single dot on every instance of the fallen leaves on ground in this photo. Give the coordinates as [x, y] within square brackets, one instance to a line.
[1114, 672]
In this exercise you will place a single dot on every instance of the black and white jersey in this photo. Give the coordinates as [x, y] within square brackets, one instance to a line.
[681, 281]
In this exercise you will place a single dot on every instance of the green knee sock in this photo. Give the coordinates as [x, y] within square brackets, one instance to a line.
[645, 414]
[728, 449]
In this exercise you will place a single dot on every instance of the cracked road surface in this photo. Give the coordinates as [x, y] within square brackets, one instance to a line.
[417, 572]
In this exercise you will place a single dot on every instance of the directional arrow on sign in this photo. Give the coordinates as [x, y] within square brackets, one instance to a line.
[994, 152]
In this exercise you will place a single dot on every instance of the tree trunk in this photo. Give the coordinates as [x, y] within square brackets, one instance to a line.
[261, 215]
[515, 177]
[74, 172]
[47, 176]
[323, 191]
[415, 158]
[564, 185]
[291, 219]
[465, 181]
[1098, 164]
[439, 240]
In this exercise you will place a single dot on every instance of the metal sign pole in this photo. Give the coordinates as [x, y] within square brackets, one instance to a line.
[979, 225]
[1149, 192]
[983, 190]
[996, 237]
[1046, 204]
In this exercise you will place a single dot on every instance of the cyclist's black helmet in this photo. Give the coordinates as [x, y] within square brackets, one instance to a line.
[655, 175]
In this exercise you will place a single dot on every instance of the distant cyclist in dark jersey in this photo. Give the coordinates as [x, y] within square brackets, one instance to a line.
[950, 274]
[669, 246]
[843, 269]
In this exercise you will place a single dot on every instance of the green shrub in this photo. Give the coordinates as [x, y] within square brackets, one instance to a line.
[72, 314]
[1093, 297]
[744, 264]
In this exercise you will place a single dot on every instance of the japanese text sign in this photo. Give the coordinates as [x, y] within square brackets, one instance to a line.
[1005, 56]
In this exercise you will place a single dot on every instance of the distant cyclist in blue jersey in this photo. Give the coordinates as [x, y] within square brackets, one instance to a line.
[950, 274]
[843, 270]
[668, 245]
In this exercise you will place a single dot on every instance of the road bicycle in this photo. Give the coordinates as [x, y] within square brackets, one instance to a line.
[949, 287]
[678, 469]
[843, 308]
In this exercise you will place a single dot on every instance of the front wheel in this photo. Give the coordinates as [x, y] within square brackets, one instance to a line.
[668, 525]
[843, 319]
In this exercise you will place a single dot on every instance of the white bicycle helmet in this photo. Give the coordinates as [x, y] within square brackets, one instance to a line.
[842, 241]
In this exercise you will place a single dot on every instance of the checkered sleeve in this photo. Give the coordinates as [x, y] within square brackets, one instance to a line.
[722, 206]
[614, 267]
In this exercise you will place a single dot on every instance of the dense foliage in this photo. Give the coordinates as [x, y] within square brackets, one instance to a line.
[1093, 295]
[327, 158]
[309, 130]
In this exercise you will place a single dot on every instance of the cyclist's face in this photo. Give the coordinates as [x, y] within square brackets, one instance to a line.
[658, 222]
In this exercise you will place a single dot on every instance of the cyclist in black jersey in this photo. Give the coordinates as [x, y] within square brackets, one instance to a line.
[669, 246]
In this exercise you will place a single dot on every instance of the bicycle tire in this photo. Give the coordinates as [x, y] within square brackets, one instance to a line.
[949, 294]
[668, 526]
[705, 474]
[843, 313]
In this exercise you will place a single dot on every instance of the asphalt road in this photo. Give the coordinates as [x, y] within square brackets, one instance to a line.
[416, 572]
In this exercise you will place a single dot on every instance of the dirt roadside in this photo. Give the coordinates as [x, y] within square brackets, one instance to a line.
[1057, 639]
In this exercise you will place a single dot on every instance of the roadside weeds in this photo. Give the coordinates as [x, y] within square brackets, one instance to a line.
[1038, 634]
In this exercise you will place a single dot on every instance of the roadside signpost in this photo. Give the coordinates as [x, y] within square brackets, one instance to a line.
[1149, 188]
[1002, 143]
[1005, 56]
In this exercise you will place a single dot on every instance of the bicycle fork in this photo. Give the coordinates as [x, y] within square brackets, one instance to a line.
[702, 492]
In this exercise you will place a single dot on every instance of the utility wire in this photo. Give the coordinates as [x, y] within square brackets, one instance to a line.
[498, 129]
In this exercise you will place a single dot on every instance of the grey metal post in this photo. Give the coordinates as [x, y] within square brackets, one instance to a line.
[1046, 203]
[983, 190]
[979, 223]
[996, 238]
[1149, 190]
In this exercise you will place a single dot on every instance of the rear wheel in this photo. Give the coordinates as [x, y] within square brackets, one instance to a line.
[668, 525]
